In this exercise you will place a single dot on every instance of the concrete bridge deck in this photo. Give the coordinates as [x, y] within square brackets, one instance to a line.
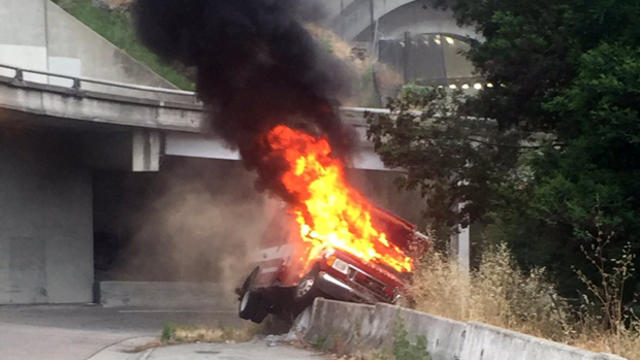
[174, 118]
[155, 108]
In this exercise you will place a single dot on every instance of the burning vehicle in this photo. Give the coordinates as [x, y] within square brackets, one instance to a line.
[330, 242]
[272, 92]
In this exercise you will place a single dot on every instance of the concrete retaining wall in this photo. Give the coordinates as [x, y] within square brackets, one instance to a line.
[46, 246]
[39, 35]
[165, 295]
[358, 328]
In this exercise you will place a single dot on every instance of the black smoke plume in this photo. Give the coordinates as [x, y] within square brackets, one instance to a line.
[257, 67]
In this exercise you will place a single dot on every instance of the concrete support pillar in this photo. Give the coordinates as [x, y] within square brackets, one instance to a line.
[46, 221]
[461, 246]
[146, 151]
[464, 248]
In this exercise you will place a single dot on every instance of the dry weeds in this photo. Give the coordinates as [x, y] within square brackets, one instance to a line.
[214, 335]
[175, 334]
[501, 294]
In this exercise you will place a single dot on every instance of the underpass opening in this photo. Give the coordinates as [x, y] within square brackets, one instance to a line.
[197, 221]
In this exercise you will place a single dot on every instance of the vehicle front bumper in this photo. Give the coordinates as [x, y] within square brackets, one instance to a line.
[342, 290]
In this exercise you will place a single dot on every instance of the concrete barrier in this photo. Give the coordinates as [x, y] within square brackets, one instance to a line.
[355, 328]
[445, 337]
[490, 342]
[352, 325]
[165, 295]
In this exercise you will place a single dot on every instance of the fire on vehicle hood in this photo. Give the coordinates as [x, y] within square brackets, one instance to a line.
[329, 240]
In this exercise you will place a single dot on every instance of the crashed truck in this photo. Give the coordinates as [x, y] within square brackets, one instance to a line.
[276, 285]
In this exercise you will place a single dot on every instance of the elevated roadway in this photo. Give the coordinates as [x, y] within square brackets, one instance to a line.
[164, 121]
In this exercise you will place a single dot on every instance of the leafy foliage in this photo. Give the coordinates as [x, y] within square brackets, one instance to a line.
[403, 349]
[168, 331]
[561, 147]
[444, 152]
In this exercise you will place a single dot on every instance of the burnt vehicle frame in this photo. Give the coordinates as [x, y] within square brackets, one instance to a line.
[275, 285]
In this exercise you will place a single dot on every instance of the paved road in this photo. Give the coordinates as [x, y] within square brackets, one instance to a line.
[258, 349]
[245, 351]
[78, 332]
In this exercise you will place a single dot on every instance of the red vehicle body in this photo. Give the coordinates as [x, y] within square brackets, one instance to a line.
[279, 283]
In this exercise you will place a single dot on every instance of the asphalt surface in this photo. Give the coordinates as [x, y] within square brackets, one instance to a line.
[276, 348]
[79, 332]
[245, 351]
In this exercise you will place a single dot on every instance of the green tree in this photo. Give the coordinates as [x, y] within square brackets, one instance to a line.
[562, 143]
[448, 156]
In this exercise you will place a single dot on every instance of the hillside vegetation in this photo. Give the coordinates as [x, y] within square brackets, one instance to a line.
[115, 24]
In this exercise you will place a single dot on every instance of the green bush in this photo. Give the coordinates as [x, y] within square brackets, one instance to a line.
[168, 332]
[403, 349]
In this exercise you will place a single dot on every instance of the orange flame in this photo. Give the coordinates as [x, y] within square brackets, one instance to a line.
[331, 214]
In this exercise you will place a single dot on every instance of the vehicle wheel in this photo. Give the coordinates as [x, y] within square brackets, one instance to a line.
[248, 282]
[260, 314]
[306, 290]
[305, 287]
[249, 305]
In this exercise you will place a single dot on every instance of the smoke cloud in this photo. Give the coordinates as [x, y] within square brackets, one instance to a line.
[186, 223]
[257, 67]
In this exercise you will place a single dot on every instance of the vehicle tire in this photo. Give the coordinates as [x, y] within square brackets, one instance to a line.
[306, 290]
[248, 282]
[260, 314]
[250, 305]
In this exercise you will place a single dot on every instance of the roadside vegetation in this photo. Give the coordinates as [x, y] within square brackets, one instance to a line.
[117, 27]
[361, 63]
[176, 334]
[500, 293]
[405, 349]
[404, 346]
[545, 160]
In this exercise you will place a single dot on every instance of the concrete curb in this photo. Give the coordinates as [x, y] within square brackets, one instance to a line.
[358, 327]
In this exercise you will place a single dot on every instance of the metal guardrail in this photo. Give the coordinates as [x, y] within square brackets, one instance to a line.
[78, 81]
[77, 85]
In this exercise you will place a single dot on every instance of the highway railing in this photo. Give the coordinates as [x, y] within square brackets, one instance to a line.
[85, 83]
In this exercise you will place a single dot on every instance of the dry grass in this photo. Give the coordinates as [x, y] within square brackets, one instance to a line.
[338, 47]
[625, 343]
[501, 294]
[214, 335]
[373, 81]
[177, 334]
[173, 334]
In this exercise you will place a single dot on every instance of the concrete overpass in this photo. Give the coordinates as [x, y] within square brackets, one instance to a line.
[100, 156]
[97, 155]
[366, 20]
[173, 121]
[68, 158]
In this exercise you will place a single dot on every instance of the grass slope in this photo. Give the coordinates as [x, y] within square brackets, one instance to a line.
[118, 28]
